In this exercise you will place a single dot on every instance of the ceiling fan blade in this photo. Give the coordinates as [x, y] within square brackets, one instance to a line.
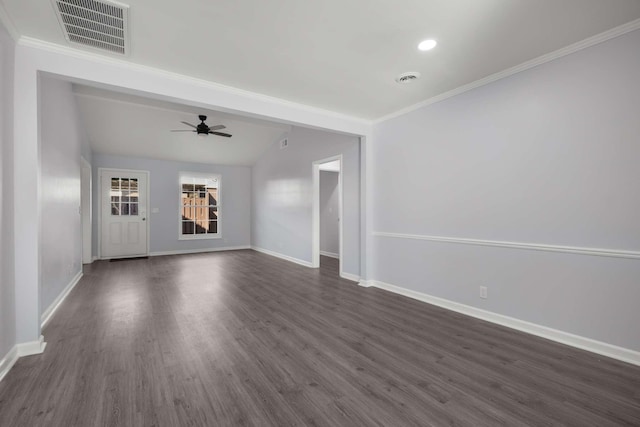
[183, 130]
[217, 127]
[221, 134]
[189, 124]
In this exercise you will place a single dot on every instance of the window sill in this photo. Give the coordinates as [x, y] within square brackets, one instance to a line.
[200, 237]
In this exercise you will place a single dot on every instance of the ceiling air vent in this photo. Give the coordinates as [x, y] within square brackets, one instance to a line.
[408, 77]
[97, 24]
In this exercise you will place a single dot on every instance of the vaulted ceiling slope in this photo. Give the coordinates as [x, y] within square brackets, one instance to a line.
[129, 125]
[343, 55]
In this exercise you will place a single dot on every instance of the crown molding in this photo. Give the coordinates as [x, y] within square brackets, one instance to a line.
[8, 23]
[30, 42]
[567, 50]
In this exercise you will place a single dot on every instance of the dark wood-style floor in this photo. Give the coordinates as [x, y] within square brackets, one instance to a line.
[241, 338]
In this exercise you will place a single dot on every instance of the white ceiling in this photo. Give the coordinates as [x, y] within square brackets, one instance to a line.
[130, 125]
[344, 55]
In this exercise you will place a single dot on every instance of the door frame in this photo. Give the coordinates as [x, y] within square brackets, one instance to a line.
[86, 195]
[315, 217]
[101, 171]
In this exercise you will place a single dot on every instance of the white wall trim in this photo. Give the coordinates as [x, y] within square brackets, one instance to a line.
[583, 343]
[349, 276]
[18, 351]
[31, 348]
[330, 254]
[612, 253]
[567, 50]
[8, 361]
[282, 256]
[49, 312]
[198, 251]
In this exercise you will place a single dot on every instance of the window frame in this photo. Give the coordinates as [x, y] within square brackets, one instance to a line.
[203, 236]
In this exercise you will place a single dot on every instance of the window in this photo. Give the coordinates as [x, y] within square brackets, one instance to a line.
[124, 197]
[199, 206]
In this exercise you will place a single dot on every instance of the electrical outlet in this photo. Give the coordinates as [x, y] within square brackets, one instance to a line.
[483, 292]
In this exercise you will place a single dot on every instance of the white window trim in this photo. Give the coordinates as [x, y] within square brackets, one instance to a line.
[217, 235]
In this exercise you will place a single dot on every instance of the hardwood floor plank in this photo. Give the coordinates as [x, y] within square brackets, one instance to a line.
[244, 339]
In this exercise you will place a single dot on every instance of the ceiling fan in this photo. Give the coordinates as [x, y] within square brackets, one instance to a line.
[203, 130]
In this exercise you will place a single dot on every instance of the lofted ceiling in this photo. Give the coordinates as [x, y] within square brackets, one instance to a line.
[130, 125]
[343, 55]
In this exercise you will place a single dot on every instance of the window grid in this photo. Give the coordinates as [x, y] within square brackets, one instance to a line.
[124, 196]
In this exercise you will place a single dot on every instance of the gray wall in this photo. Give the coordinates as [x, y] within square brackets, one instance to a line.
[61, 141]
[282, 195]
[546, 156]
[329, 213]
[7, 286]
[235, 216]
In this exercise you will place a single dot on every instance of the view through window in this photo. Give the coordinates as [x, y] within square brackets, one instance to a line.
[200, 204]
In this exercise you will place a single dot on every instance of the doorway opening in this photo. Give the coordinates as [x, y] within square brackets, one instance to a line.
[327, 212]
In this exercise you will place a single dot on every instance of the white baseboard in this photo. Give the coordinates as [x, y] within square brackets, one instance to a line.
[330, 254]
[48, 313]
[588, 344]
[198, 251]
[349, 276]
[31, 348]
[8, 361]
[282, 256]
[18, 351]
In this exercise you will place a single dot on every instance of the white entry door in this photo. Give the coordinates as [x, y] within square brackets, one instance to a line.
[123, 213]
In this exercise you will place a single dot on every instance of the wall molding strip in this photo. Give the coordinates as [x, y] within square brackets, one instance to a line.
[330, 254]
[349, 276]
[199, 251]
[8, 361]
[583, 343]
[282, 256]
[612, 253]
[31, 348]
[50, 311]
[567, 50]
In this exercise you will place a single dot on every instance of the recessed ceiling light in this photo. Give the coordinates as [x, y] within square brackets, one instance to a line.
[408, 77]
[427, 45]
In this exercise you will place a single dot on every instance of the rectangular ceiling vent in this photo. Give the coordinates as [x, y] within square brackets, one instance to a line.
[97, 24]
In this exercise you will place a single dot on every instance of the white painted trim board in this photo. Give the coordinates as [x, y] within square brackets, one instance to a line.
[50, 311]
[349, 276]
[612, 253]
[8, 361]
[583, 343]
[283, 256]
[198, 251]
[330, 254]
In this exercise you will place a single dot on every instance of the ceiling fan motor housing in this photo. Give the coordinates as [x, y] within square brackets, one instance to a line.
[202, 127]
